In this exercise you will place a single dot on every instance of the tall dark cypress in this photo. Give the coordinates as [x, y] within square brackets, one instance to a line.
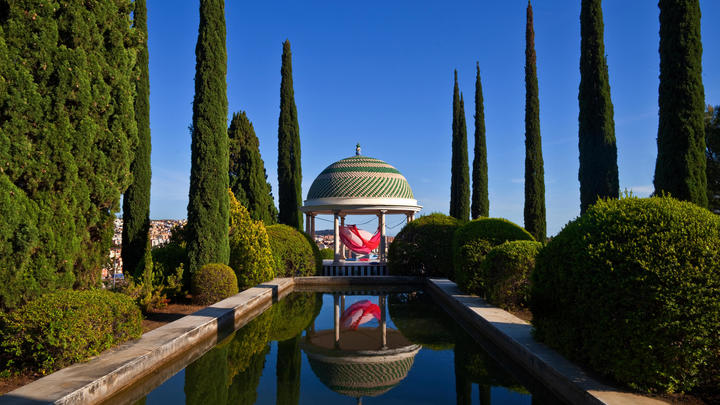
[480, 206]
[289, 364]
[598, 173]
[248, 179]
[460, 173]
[136, 201]
[207, 227]
[289, 164]
[534, 172]
[680, 165]
[712, 141]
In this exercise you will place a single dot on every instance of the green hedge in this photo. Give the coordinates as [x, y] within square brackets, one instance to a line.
[293, 314]
[327, 254]
[632, 289]
[64, 327]
[423, 247]
[292, 252]
[250, 254]
[212, 283]
[472, 242]
[505, 274]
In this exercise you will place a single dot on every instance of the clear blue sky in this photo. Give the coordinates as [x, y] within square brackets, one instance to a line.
[382, 73]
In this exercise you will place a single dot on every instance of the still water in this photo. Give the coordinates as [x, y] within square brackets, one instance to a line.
[348, 347]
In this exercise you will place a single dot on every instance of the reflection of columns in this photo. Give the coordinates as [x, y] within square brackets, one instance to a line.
[485, 396]
[336, 237]
[383, 237]
[342, 248]
[383, 322]
[342, 303]
[336, 301]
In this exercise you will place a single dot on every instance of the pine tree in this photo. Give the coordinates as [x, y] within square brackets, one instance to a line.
[680, 166]
[67, 135]
[534, 172]
[248, 179]
[598, 173]
[207, 226]
[480, 201]
[460, 173]
[289, 164]
[136, 201]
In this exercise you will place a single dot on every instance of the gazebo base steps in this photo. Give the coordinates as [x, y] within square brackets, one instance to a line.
[358, 269]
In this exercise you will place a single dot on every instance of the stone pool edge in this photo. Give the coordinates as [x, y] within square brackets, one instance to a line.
[513, 336]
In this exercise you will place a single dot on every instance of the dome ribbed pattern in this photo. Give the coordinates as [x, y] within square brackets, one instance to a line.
[360, 177]
[361, 379]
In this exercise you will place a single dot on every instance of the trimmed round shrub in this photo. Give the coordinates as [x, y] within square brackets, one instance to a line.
[474, 240]
[422, 247]
[65, 327]
[212, 283]
[250, 254]
[327, 254]
[505, 274]
[292, 252]
[632, 289]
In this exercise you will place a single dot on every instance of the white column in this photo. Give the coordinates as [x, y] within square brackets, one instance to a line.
[312, 226]
[337, 319]
[383, 322]
[307, 222]
[383, 238]
[336, 235]
[343, 249]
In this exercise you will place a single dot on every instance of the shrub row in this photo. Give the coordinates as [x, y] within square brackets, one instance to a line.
[64, 327]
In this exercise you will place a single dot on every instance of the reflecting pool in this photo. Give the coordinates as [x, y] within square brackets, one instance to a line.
[348, 347]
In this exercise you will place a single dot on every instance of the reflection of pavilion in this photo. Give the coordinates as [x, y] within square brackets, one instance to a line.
[365, 362]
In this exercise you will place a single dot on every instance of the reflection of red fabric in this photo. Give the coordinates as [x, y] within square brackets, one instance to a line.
[358, 240]
[358, 314]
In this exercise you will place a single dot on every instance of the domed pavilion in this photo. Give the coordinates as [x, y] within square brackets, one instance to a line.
[359, 185]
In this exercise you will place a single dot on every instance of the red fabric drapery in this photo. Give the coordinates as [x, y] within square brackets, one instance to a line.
[358, 240]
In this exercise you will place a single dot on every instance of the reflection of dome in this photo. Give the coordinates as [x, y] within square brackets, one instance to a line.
[356, 179]
[359, 368]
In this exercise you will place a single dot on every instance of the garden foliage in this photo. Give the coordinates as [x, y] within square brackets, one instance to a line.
[534, 210]
[421, 320]
[212, 283]
[505, 274]
[64, 327]
[207, 226]
[67, 134]
[292, 252]
[632, 289]
[289, 163]
[423, 247]
[473, 241]
[248, 179]
[250, 254]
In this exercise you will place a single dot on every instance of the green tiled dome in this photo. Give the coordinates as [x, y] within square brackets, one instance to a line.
[360, 177]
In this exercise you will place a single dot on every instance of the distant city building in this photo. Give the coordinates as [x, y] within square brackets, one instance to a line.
[160, 231]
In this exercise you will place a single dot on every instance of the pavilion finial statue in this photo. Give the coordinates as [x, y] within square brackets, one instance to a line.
[357, 149]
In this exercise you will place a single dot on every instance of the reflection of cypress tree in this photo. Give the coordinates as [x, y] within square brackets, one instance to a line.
[243, 389]
[463, 386]
[206, 378]
[288, 371]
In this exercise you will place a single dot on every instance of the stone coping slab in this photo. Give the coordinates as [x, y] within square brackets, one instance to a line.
[104, 375]
[513, 337]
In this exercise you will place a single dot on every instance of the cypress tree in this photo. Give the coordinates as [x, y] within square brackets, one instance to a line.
[598, 173]
[136, 201]
[248, 179]
[460, 173]
[67, 132]
[207, 226]
[289, 166]
[534, 172]
[712, 141]
[680, 166]
[480, 201]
